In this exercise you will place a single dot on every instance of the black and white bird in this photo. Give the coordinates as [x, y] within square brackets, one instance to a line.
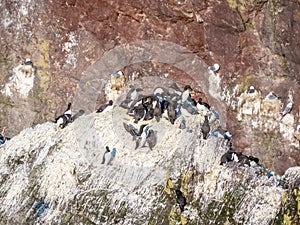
[227, 135]
[65, 118]
[28, 62]
[186, 93]
[141, 140]
[226, 157]
[103, 157]
[131, 98]
[202, 106]
[105, 107]
[251, 90]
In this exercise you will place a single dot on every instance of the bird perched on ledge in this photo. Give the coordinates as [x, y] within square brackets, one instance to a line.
[65, 118]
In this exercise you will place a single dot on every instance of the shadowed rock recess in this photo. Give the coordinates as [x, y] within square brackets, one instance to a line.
[51, 175]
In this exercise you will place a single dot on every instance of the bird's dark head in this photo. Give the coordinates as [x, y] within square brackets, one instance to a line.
[110, 102]
[178, 192]
[69, 105]
[107, 148]
[187, 87]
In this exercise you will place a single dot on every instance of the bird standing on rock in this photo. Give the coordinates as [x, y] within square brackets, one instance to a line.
[251, 90]
[205, 128]
[65, 118]
[214, 67]
[106, 151]
[287, 109]
[202, 106]
[186, 93]
[112, 156]
[105, 107]
[151, 139]
[140, 142]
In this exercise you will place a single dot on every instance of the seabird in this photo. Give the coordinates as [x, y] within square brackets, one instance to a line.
[151, 139]
[77, 115]
[214, 68]
[202, 106]
[141, 140]
[234, 157]
[133, 131]
[139, 112]
[27, 61]
[157, 112]
[287, 109]
[105, 107]
[65, 118]
[251, 90]
[226, 157]
[131, 97]
[186, 93]
[253, 161]
[112, 156]
[205, 128]
[106, 151]
[227, 135]
[171, 113]
[117, 74]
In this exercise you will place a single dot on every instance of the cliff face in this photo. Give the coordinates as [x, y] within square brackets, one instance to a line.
[50, 175]
[254, 42]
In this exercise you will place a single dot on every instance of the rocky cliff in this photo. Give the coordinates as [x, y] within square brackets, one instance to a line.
[50, 175]
[254, 42]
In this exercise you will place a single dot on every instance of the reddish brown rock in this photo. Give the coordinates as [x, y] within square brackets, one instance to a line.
[255, 43]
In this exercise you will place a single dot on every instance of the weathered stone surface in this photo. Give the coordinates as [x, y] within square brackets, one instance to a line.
[255, 43]
[50, 175]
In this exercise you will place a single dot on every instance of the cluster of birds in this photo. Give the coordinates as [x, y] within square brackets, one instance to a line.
[271, 96]
[169, 105]
[161, 104]
[232, 155]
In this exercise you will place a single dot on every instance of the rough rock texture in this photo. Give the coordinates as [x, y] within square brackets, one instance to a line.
[50, 175]
[255, 42]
